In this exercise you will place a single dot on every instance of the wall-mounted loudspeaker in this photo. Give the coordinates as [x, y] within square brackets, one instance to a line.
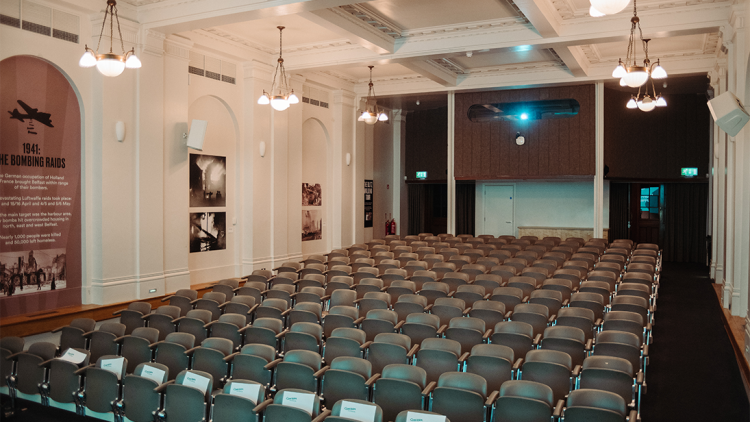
[728, 113]
[197, 134]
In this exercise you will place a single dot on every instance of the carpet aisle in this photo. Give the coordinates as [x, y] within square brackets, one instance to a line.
[693, 375]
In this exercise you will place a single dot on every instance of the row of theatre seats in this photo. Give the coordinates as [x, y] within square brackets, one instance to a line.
[437, 328]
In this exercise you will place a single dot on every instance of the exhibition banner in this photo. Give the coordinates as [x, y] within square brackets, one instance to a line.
[40, 181]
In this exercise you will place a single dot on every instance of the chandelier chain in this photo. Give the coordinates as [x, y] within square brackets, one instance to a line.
[122, 44]
[101, 33]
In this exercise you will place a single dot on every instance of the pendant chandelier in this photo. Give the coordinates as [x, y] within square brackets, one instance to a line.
[631, 73]
[110, 64]
[372, 114]
[646, 102]
[280, 97]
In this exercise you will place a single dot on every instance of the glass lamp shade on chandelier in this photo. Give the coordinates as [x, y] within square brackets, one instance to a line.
[630, 72]
[645, 102]
[110, 64]
[601, 8]
[281, 96]
[372, 114]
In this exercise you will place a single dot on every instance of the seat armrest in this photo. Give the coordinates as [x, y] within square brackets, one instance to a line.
[253, 309]
[119, 340]
[282, 334]
[508, 315]
[189, 352]
[551, 319]
[243, 329]
[193, 302]
[450, 294]
[589, 344]
[517, 365]
[399, 325]
[466, 311]
[645, 350]
[537, 339]
[324, 298]
[176, 320]
[576, 371]
[598, 322]
[321, 371]
[639, 378]
[208, 325]
[285, 313]
[84, 369]
[13, 356]
[558, 409]
[565, 303]
[525, 299]
[442, 329]
[492, 398]
[273, 364]
[365, 345]
[372, 380]
[231, 357]
[464, 357]
[118, 312]
[487, 334]
[326, 413]
[431, 386]
[429, 307]
[163, 387]
[413, 351]
[261, 407]
[167, 298]
[633, 417]
[356, 301]
[265, 292]
[88, 334]
[46, 363]
[359, 320]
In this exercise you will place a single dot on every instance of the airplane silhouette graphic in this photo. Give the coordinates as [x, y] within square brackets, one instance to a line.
[31, 114]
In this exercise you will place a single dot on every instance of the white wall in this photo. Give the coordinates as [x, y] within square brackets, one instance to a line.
[314, 170]
[548, 203]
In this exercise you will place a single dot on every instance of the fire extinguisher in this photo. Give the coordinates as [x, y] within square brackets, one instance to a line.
[387, 225]
[393, 226]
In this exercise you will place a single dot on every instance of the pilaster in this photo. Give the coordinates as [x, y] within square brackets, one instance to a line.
[343, 200]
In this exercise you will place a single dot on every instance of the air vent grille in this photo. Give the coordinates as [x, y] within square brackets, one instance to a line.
[40, 19]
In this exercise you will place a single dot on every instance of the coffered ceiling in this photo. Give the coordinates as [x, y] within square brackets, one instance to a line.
[430, 46]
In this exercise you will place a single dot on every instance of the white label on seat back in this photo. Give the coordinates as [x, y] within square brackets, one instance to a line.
[424, 417]
[358, 411]
[153, 373]
[196, 381]
[113, 365]
[73, 356]
[302, 401]
[248, 391]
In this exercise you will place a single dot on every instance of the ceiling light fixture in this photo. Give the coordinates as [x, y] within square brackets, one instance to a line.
[280, 97]
[635, 75]
[372, 114]
[110, 64]
[607, 7]
[646, 102]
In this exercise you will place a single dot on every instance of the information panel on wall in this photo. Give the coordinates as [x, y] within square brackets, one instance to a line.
[40, 202]
[368, 203]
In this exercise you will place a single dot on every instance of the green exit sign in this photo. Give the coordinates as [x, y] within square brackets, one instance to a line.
[689, 171]
[421, 175]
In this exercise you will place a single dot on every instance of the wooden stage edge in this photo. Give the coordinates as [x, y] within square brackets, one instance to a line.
[735, 328]
[45, 321]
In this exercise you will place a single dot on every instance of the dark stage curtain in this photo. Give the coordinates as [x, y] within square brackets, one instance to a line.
[465, 206]
[417, 200]
[619, 211]
[684, 219]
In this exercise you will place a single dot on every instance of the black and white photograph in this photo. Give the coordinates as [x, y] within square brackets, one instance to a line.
[312, 225]
[208, 181]
[32, 271]
[208, 231]
[311, 195]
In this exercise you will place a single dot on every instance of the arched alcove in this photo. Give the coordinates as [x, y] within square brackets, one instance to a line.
[316, 220]
[213, 249]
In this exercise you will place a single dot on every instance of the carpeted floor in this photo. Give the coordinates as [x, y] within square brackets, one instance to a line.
[693, 375]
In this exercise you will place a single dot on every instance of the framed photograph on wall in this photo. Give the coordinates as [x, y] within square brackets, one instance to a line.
[312, 225]
[208, 231]
[208, 181]
[312, 195]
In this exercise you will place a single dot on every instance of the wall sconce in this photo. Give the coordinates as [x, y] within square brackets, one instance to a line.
[262, 149]
[348, 158]
[120, 131]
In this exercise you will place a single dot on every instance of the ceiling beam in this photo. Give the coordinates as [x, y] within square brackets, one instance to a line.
[353, 28]
[508, 36]
[541, 15]
[173, 16]
[574, 60]
[433, 71]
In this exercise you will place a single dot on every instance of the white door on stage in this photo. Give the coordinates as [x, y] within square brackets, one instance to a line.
[498, 210]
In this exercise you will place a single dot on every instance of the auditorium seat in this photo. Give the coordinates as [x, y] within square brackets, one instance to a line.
[551, 368]
[188, 398]
[239, 400]
[525, 401]
[348, 378]
[140, 400]
[462, 396]
[132, 317]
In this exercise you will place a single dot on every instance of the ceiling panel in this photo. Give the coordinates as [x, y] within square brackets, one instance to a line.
[362, 73]
[414, 14]
[685, 43]
[298, 31]
[479, 60]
